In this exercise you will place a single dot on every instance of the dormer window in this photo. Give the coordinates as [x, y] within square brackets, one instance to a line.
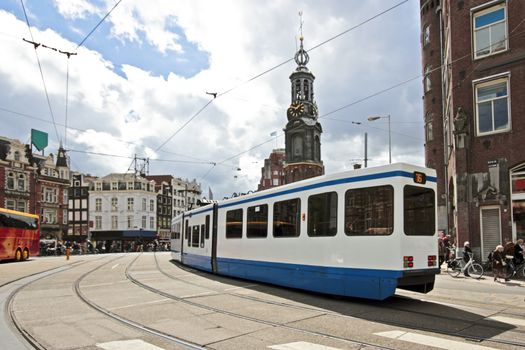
[17, 156]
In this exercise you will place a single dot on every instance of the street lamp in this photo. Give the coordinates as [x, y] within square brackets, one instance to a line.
[377, 117]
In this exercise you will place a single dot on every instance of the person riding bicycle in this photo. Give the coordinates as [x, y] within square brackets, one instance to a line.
[498, 263]
[467, 252]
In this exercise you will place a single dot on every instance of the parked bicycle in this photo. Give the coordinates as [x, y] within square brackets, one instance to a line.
[472, 268]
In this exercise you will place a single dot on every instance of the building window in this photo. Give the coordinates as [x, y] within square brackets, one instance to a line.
[114, 204]
[426, 35]
[10, 204]
[322, 214]
[151, 205]
[114, 186]
[286, 218]
[17, 156]
[144, 219]
[490, 31]
[130, 204]
[49, 216]
[369, 211]
[234, 223]
[130, 221]
[114, 222]
[426, 81]
[429, 133]
[492, 106]
[21, 182]
[257, 221]
[98, 222]
[21, 206]
[152, 222]
[98, 204]
[64, 216]
[10, 183]
[130, 185]
[98, 186]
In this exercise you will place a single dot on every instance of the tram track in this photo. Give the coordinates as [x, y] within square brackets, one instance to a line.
[250, 318]
[9, 310]
[124, 320]
[456, 334]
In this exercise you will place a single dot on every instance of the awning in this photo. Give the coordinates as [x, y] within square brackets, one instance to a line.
[128, 235]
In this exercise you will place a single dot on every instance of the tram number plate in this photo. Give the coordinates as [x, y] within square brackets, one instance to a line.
[420, 178]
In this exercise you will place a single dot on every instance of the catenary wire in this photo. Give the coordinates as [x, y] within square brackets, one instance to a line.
[41, 72]
[98, 24]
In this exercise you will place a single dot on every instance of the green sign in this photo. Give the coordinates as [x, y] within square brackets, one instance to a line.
[39, 139]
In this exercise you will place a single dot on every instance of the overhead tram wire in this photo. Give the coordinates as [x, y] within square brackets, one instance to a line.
[150, 159]
[397, 85]
[274, 68]
[98, 24]
[40, 69]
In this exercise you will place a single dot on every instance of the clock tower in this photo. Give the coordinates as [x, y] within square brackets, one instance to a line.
[303, 131]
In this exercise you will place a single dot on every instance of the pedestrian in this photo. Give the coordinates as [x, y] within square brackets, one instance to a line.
[518, 252]
[68, 249]
[467, 254]
[498, 263]
[441, 251]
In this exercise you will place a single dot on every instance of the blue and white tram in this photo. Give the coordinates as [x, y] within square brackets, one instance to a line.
[361, 233]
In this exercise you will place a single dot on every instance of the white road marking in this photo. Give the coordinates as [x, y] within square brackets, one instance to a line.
[103, 284]
[301, 345]
[138, 304]
[427, 340]
[509, 320]
[197, 294]
[134, 344]
[112, 267]
[241, 287]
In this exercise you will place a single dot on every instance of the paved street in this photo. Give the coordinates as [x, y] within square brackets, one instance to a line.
[144, 301]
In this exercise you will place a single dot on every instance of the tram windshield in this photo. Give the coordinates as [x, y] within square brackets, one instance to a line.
[419, 211]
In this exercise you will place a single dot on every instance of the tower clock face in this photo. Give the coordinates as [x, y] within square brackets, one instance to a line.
[295, 110]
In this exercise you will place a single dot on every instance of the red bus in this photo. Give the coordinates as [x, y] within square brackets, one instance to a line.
[19, 235]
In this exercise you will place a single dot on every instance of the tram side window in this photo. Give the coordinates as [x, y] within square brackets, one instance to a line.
[202, 235]
[207, 227]
[195, 236]
[286, 218]
[322, 214]
[369, 211]
[419, 211]
[257, 221]
[234, 223]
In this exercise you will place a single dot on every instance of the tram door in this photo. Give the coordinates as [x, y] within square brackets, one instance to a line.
[214, 238]
[183, 235]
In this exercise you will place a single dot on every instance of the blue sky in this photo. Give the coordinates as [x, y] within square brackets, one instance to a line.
[43, 15]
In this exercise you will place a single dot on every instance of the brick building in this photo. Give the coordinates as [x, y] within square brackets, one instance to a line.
[164, 189]
[17, 177]
[52, 185]
[473, 54]
[272, 173]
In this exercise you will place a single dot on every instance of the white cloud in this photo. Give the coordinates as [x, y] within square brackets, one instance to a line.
[242, 39]
[76, 8]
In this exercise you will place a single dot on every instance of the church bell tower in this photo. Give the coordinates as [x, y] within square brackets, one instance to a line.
[303, 131]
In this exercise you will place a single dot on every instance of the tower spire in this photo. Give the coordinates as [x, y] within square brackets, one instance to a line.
[301, 56]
